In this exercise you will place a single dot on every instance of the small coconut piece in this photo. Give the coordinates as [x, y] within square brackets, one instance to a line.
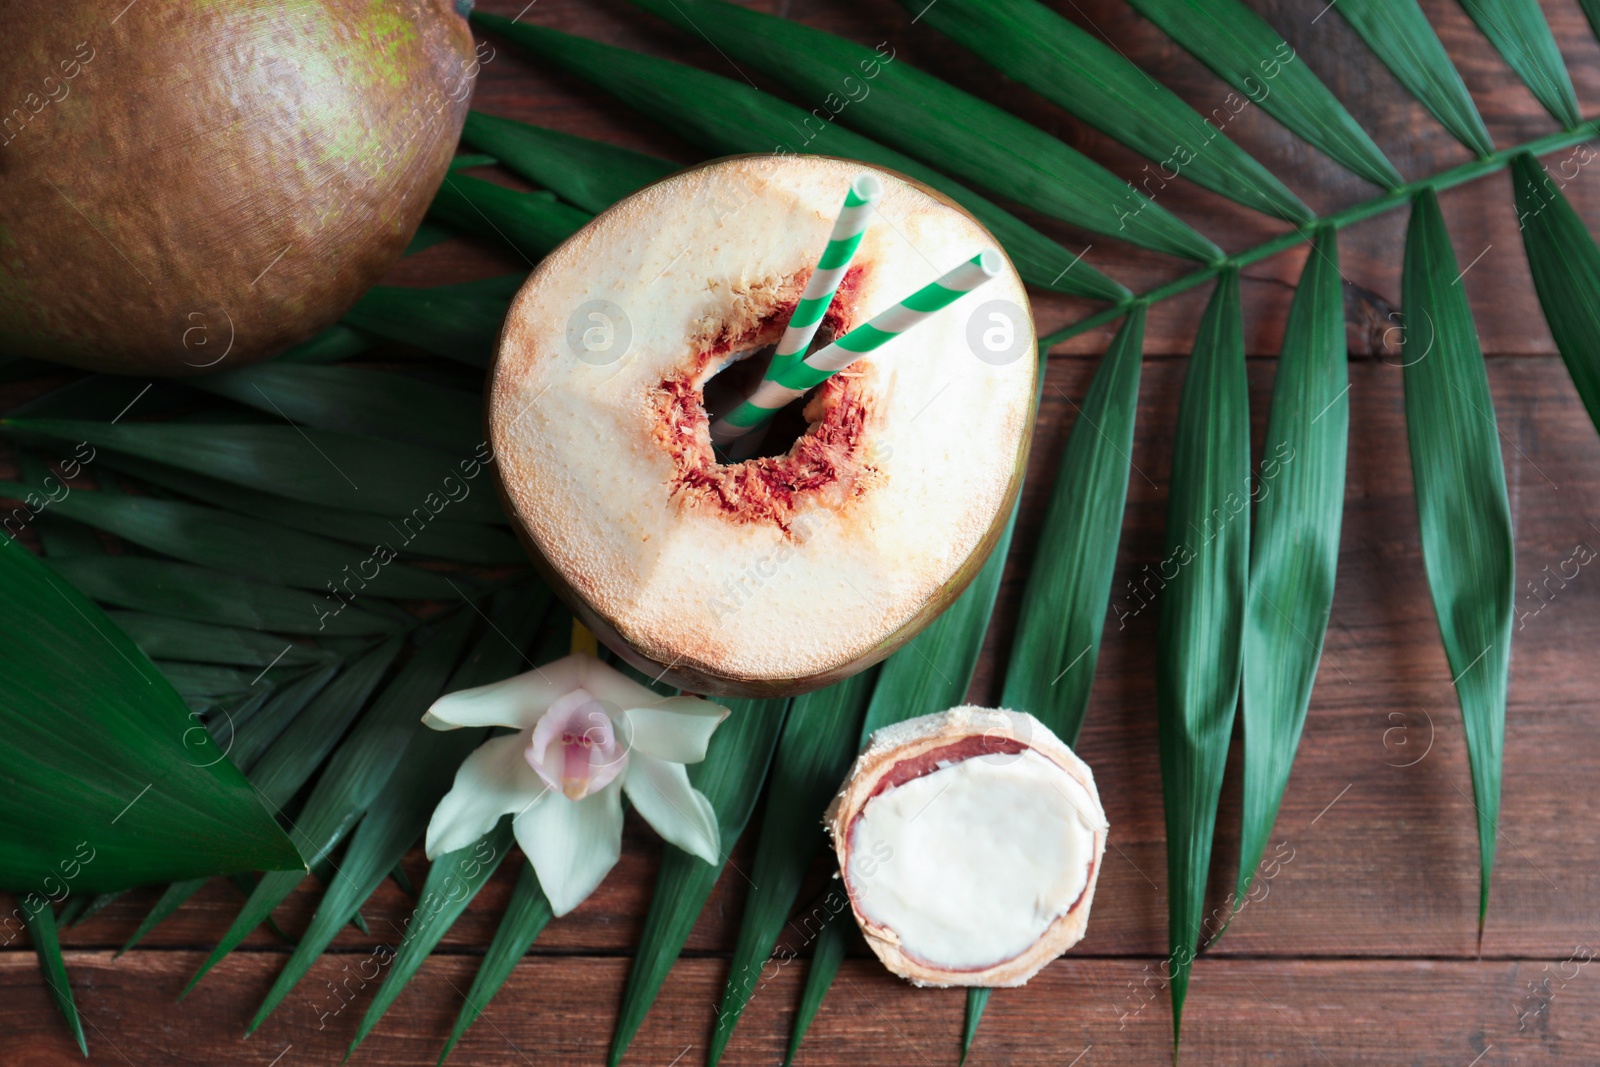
[969, 842]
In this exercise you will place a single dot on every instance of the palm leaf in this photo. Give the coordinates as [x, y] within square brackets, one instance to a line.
[1566, 273]
[240, 545]
[42, 928]
[336, 470]
[171, 899]
[1202, 613]
[826, 957]
[162, 637]
[814, 752]
[400, 812]
[411, 535]
[333, 345]
[1295, 549]
[730, 777]
[527, 915]
[1518, 30]
[929, 118]
[726, 117]
[591, 174]
[252, 739]
[977, 1000]
[1400, 34]
[290, 760]
[1057, 644]
[150, 799]
[1076, 71]
[1242, 50]
[355, 775]
[1465, 519]
[453, 881]
[203, 595]
[463, 326]
[530, 223]
[352, 400]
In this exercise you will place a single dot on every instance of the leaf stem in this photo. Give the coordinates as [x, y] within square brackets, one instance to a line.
[1445, 179]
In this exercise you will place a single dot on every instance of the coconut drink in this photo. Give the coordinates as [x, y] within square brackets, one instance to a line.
[725, 530]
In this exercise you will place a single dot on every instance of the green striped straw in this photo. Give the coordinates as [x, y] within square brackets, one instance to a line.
[865, 191]
[825, 362]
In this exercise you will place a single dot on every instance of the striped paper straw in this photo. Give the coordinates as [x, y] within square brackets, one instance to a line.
[865, 191]
[825, 362]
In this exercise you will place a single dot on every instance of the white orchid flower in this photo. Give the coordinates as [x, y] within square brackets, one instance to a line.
[586, 734]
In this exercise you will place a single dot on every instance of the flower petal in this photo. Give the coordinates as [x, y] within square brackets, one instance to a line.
[517, 702]
[676, 729]
[661, 793]
[573, 844]
[493, 780]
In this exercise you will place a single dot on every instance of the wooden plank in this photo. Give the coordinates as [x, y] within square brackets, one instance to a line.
[557, 1012]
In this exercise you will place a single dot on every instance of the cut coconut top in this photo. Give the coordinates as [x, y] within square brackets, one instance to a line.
[969, 842]
[791, 566]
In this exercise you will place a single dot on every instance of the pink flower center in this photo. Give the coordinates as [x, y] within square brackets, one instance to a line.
[574, 746]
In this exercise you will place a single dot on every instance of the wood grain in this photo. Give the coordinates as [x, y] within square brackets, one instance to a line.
[1365, 947]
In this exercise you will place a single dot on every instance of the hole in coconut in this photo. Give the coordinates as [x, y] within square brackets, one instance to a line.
[736, 380]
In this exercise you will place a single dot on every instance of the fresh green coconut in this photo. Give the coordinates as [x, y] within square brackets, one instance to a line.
[193, 186]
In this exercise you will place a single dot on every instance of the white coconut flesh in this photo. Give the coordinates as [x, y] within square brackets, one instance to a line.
[783, 566]
[969, 842]
[971, 863]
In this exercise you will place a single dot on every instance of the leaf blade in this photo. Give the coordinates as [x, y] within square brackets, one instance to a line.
[42, 928]
[1519, 32]
[1565, 264]
[356, 400]
[1462, 508]
[1240, 48]
[1295, 545]
[591, 174]
[1057, 644]
[203, 595]
[1198, 666]
[1399, 34]
[240, 545]
[529, 223]
[335, 470]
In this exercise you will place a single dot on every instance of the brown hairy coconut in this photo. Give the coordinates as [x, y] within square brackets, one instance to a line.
[855, 524]
[186, 186]
[969, 842]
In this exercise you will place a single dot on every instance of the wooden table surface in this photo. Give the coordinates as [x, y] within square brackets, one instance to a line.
[1365, 949]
